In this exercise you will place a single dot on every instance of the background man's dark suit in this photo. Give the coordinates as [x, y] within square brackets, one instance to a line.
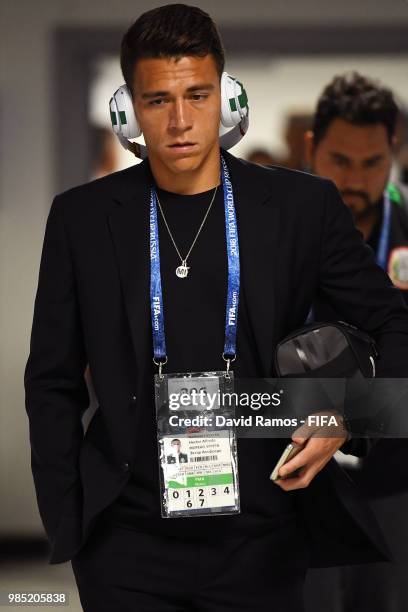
[382, 477]
[296, 239]
[380, 473]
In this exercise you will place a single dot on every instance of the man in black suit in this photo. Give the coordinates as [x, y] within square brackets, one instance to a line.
[352, 143]
[99, 494]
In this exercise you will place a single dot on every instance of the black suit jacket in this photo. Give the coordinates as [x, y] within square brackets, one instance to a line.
[381, 473]
[296, 238]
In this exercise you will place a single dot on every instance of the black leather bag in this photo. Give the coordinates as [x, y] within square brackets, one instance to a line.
[326, 350]
[331, 350]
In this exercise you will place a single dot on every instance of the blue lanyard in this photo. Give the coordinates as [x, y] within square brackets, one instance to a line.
[384, 240]
[156, 296]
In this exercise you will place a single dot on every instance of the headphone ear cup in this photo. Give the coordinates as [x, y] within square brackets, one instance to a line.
[123, 118]
[234, 101]
[114, 115]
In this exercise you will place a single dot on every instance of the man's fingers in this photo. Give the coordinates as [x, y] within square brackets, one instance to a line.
[306, 455]
[299, 440]
[310, 461]
[304, 431]
[306, 475]
[315, 448]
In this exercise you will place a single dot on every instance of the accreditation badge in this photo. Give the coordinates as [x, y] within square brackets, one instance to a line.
[198, 460]
[398, 267]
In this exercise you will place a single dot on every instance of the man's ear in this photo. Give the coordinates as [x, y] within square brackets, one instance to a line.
[395, 144]
[309, 147]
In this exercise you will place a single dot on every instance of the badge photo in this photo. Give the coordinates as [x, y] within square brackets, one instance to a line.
[398, 267]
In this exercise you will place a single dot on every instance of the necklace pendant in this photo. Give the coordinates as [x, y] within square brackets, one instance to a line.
[182, 270]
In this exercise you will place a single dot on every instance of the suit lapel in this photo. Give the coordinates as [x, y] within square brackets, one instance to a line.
[257, 231]
[129, 225]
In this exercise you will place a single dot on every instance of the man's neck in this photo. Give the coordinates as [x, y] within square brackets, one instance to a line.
[367, 223]
[201, 179]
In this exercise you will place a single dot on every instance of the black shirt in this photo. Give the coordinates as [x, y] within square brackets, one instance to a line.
[194, 323]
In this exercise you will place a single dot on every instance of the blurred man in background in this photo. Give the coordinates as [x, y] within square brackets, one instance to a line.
[401, 156]
[104, 152]
[354, 133]
[261, 156]
[352, 143]
[296, 124]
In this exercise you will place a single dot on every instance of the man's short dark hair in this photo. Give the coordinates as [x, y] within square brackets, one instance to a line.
[170, 31]
[358, 100]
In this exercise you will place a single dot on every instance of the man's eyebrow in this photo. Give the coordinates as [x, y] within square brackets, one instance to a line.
[200, 87]
[373, 158]
[367, 160]
[162, 94]
[154, 94]
[338, 155]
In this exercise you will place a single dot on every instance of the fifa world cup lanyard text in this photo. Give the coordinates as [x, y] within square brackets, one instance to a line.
[198, 465]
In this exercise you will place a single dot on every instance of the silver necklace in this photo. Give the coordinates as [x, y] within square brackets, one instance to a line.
[182, 271]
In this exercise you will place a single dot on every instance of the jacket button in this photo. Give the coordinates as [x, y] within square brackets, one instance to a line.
[133, 398]
[125, 466]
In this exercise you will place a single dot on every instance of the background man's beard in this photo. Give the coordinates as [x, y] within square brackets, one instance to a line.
[370, 209]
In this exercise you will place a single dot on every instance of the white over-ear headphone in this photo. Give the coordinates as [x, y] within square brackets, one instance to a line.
[234, 114]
